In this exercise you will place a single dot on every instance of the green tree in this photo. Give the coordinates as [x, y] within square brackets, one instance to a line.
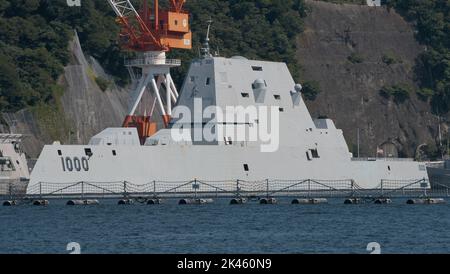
[432, 20]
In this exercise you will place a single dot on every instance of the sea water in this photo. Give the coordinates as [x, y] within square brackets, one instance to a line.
[223, 228]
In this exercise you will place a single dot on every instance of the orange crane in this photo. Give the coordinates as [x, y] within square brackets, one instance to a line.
[153, 29]
[151, 33]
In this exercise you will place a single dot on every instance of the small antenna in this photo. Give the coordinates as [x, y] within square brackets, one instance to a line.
[217, 52]
[206, 50]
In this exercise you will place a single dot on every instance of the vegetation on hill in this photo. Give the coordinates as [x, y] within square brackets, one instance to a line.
[355, 2]
[34, 38]
[32, 54]
[310, 90]
[256, 29]
[400, 93]
[432, 20]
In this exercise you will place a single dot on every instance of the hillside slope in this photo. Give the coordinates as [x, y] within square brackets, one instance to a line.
[84, 109]
[350, 90]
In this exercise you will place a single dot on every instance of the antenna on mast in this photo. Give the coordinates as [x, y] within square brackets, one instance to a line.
[205, 49]
[218, 51]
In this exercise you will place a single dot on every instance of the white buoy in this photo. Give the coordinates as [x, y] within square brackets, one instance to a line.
[190, 201]
[238, 201]
[426, 201]
[40, 202]
[381, 201]
[154, 201]
[353, 201]
[83, 202]
[125, 202]
[10, 203]
[268, 201]
[313, 201]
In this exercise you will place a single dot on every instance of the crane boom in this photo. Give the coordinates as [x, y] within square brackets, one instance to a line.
[177, 5]
[139, 38]
[122, 8]
[170, 28]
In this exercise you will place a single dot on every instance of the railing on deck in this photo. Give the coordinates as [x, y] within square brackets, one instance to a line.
[237, 188]
[152, 61]
[386, 159]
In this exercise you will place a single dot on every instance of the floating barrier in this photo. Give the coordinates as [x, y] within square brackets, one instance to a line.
[268, 201]
[238, 201]
[154, 201]
[426, 201]
[40, 202]
[125, 202]
[353, 201]
[313, 201]
[10, 203]
[83, 202]
[381, 201]
[195, 201]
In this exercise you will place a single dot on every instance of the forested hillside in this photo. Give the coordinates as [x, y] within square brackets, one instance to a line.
[34, 38]
[432, 20]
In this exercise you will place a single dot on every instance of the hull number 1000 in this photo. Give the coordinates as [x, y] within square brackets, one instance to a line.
[75, 164]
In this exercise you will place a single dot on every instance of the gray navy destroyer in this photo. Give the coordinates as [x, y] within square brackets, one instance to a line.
[308, 148]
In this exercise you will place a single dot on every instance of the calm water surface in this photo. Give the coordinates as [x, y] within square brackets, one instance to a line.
[221, 228]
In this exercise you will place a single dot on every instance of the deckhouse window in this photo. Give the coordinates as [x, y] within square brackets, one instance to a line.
[245, 95]
[88, 152]
[246, 167]
[208, 81]
[277, 97]
[228, 141]
[308, 155]
[257, 68]
[311, 154]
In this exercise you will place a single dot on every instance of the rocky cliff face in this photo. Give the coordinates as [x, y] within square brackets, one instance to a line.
[87, 107]
[350, 90]
[83, 109]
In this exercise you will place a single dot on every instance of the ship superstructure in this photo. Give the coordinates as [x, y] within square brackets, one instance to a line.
[306, 148]
[14, 172]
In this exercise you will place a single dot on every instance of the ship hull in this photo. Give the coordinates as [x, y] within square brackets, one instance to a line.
[140, 165]
[439, 177]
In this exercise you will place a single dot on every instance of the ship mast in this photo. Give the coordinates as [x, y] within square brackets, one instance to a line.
[206, 51]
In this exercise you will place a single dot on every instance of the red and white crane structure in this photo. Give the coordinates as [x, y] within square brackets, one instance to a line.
[152, 32]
